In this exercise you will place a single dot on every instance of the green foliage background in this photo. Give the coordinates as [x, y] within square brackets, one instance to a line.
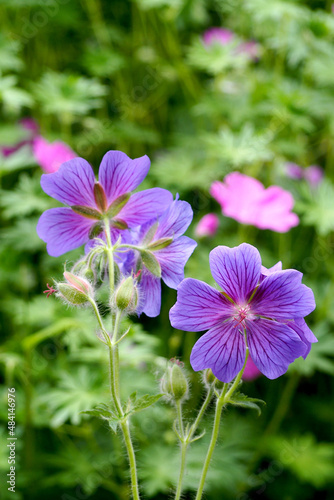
[135, 76]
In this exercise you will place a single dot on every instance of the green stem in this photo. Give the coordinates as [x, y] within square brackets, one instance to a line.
[221, 401]
[110, 258]
[184, 447]
[114, 373]
[99, 320]
[201, 412]
[214, 437]
[132, 458]
[186, 442]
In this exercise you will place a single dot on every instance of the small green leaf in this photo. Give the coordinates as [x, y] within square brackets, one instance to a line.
[101, 411]
[145, 402]
[151, 262]
[239, 399]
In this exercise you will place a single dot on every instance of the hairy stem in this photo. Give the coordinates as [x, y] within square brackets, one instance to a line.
[114, 373]
[221, 401]
[187, 439]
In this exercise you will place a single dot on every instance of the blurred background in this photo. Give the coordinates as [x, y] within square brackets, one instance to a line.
[147, 77]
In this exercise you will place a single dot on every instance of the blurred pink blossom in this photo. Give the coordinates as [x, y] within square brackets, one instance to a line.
[217, 35]
[312, 174]
[207, 226]
[294, 171]
[251, 371]
[246, 200]
[224, 36]
[50, 155]
[30, 130]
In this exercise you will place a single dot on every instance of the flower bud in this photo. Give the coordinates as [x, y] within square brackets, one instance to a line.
[127, 295]
[208, 377]
[76, 291]
[174, 383]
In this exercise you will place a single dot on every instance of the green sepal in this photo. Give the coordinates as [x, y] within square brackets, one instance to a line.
[150, 234]
[117, 205]
[151, 262]
[71, 294]
[119, 224]
[160, 244]
[89, 213]
[95, 230]
[239, 399]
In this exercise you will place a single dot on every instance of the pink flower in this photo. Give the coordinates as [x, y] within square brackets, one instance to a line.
[246, 200]
[251, 371]
[250, 48]
[313, 174]
[217, 35]
[207, 226]
[294, 171]
[224, 36]
[29, 130]
[50, 155]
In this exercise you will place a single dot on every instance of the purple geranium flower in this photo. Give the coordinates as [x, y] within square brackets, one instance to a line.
[92, 204]
[266, 315]
[164, 254]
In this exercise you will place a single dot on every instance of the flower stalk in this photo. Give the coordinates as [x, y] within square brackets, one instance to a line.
[222, 399]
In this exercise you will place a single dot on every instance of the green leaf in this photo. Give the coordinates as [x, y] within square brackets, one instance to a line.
[239, 399]
[144, 402]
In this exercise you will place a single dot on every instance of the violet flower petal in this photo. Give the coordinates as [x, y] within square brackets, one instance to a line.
[236, 270]
[145, 205]
[199, 307]
[282, 296]
[63, 230]
[305, 334]
[173, 258]
[175, 220]
[267, 271]
[149, 289]
[72, 184]
[119, 174]
[273, 346]
[222, 349]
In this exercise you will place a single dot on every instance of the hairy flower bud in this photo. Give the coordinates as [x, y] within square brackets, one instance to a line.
[127, 295]
[76, 291]
[174, 382]
[208, 377]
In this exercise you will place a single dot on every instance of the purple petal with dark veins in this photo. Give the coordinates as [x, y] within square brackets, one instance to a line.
[305, 334]
[282, 296]
[173, 258]
[273, 346]
[119, 174]
[199, 307]
[236, 270]
[175, 220]
[63, 230]
[145, 205]
[72, 184]
[222, 349]
[267, 271]
[149, 289]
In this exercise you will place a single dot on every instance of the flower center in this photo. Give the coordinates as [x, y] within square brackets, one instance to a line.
[242, 312]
